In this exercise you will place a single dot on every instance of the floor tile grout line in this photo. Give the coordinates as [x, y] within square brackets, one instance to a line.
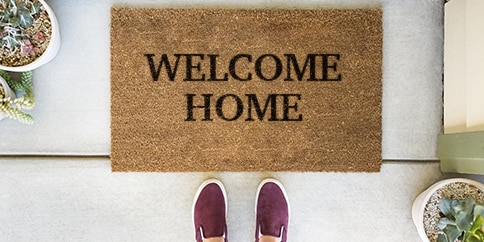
[97, 156]
[46, 156]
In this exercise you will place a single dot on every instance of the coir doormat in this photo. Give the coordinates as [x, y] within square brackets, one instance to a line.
[246, 90]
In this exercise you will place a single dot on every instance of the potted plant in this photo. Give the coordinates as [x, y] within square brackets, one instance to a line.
[462, 220]
[435, 210]
[29, 34]
[12, 106]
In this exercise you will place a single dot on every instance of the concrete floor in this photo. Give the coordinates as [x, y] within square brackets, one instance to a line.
[80, 199]
[55, 178]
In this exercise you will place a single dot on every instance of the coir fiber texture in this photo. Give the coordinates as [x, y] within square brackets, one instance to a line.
[246, 90]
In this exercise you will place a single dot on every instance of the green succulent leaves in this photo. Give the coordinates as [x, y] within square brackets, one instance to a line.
[13, 108]
[16, 16]
[463, 220]
[24, 15]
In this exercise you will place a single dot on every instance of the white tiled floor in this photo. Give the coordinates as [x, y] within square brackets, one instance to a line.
[78, 198]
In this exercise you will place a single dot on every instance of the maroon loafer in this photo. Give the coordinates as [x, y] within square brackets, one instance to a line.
[272, 210]
[210, 211]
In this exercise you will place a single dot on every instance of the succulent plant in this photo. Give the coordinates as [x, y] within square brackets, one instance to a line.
[16, 16]
[12, 108]
[463, 221]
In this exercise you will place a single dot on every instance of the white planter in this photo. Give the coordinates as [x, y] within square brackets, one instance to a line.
[49, 53]
[421, 200]
[8, 92]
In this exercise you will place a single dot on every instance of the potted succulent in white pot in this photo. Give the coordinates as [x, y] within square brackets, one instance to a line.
[12, 106]
[29, 38]
[29, 34]
[450, 210]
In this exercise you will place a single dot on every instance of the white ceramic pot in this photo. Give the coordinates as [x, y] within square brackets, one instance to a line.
[49, 53]
[422, 199]
[8, 93]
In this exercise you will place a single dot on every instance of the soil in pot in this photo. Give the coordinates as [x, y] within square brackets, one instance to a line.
[23, 45]
[456, 190]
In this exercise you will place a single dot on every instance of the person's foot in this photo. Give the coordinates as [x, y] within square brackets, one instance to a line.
[272, 211]
[210, 211]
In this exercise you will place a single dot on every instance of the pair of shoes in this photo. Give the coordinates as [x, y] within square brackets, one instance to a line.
[210, 211]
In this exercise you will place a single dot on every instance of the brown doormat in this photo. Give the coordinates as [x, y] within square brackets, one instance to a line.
[246, 90]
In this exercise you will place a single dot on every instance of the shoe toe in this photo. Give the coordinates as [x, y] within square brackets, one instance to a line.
[272, 210]
[209, 212]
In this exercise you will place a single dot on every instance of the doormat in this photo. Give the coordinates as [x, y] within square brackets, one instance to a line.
[196, 90]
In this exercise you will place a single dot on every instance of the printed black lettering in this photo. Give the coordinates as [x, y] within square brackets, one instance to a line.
[277, 71]
[267, 67]
[326, 66]
[233, 67]
[253, 101]
[213, 70]
[288, 105]
[190, 67]
[155, 71]
[292, 61]
[205, 106]
[220, 111]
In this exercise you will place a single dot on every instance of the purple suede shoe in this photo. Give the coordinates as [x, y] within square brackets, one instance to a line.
[210, 210]
[272, 210]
